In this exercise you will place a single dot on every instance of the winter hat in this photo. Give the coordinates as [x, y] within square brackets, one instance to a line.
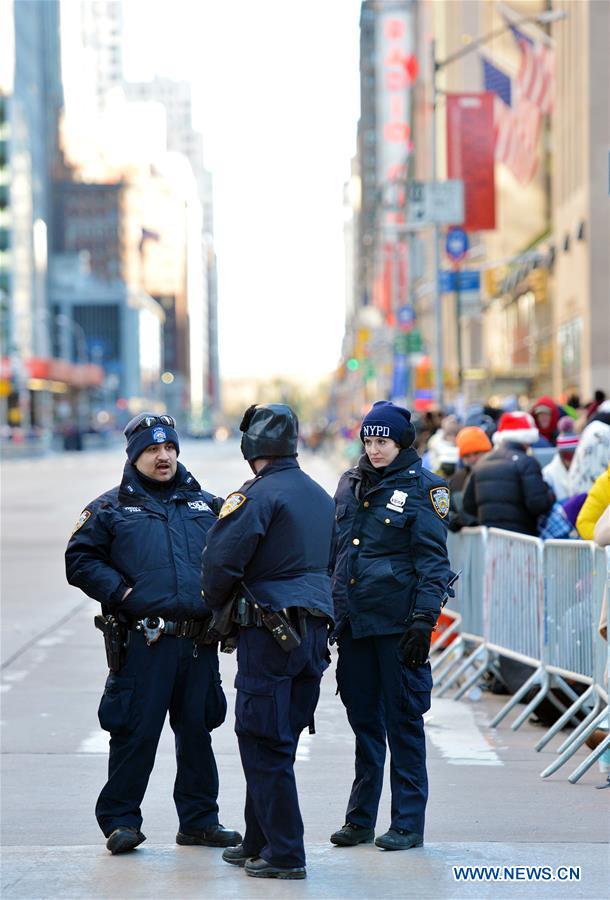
[385, 420]
[146, 429]
[472, 439]
[567, 442]
[518, 427]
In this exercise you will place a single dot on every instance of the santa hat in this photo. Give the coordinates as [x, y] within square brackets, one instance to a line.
[518, 427]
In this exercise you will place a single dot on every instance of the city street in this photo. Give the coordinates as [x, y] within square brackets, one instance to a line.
[488, 805]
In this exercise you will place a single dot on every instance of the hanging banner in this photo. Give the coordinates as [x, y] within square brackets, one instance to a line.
[470, 156]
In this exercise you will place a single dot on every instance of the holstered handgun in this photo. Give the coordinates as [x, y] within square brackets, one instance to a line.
[222, 628]
[116, 640]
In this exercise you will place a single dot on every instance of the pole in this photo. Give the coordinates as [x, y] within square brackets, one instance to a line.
[438, 308]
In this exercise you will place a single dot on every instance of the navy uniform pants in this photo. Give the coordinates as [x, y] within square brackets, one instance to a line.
[277, 693]
[385, 701]
[154, 680]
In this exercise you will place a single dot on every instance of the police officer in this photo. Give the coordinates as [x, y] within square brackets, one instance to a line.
[391, 574]
[274, 537]
[137, 549]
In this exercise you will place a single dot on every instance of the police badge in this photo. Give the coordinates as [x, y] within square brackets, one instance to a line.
[86, 514]
[233, 502]
[440, 500]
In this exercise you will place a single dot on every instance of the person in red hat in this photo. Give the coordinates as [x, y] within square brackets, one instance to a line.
[546, 414]
[506, 489]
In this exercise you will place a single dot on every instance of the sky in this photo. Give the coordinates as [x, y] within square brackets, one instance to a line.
[276, 96]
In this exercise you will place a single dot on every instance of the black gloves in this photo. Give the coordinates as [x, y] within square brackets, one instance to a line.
[414, 645]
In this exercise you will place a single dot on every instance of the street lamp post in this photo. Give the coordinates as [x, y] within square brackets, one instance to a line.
[543, 18]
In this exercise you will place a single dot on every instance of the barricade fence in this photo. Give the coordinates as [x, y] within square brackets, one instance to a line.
[538, 602]
[513, 597]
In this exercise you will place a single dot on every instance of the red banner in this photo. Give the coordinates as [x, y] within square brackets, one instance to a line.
[470, 156]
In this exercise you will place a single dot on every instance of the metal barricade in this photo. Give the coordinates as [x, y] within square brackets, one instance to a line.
[569, 601]
[512, 611]
[475, 543]
[597, 694]
[466, 553]
[539, 603]
[514, 595]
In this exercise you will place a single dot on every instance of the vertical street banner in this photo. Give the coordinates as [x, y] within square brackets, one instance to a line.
[470, 155]
[396, 70]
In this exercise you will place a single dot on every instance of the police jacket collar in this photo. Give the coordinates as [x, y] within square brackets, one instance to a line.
[409, 465]
[132, 487]
[278, 464]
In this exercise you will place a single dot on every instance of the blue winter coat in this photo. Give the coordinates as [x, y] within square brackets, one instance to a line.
[277, 535]
[391, 553]
[129, 538]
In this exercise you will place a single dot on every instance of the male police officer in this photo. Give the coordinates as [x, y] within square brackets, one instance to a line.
[390, 577]
[137, 549]
[274, 539]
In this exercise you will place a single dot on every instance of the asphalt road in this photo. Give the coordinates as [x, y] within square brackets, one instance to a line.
[488, 805]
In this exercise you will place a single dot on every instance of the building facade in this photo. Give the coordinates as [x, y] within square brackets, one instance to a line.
[538, 320]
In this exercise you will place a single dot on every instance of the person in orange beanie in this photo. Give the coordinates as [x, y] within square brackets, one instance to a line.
[472, 444]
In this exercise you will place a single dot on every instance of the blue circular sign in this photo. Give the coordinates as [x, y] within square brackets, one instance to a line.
[457, 243]
[406, 315]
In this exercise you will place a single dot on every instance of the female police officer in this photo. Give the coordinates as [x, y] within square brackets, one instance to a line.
[390, 576]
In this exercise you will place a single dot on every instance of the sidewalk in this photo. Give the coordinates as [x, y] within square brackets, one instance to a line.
[488, 804]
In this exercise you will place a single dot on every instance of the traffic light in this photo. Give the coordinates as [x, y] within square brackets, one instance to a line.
[353, 364]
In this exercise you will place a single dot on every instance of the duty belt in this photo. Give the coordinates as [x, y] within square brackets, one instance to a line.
[154, 626]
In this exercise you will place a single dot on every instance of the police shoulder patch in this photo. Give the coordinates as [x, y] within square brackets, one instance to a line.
[233, 502]
[440, 500]
[86, 514]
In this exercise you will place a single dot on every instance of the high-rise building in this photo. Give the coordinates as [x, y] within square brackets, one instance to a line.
[98, 26]
[580, 188]
[175, 97]
[30, 105]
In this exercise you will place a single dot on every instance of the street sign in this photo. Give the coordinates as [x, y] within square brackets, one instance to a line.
[456, 244]
[462, 280]
[405, 318]
[435, 202]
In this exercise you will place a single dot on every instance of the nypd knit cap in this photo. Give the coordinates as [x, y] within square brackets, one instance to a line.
[385, 420]
[140, 434]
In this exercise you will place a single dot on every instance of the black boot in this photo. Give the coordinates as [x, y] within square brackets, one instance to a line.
[124, 838]
[351, 834]
[213, 836]
[237, 856]
[258, 867]
[399, 839]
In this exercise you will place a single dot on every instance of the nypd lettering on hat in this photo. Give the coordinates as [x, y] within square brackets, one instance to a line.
[375, 431]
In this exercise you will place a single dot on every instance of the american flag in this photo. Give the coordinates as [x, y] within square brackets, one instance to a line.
[536, 77]
[516, 123]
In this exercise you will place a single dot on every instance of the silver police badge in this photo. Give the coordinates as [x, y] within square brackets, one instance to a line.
[440, 500]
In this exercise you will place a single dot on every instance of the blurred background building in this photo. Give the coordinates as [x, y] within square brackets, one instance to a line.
[108, 280]
[522, 119]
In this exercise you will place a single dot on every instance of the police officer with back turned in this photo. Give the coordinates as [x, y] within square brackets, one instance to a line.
[273, 542]
[137, 550]
[390, 578]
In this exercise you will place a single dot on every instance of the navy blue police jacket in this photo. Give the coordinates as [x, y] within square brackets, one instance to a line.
[391, 552]
[276, 534]
[130, 538]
